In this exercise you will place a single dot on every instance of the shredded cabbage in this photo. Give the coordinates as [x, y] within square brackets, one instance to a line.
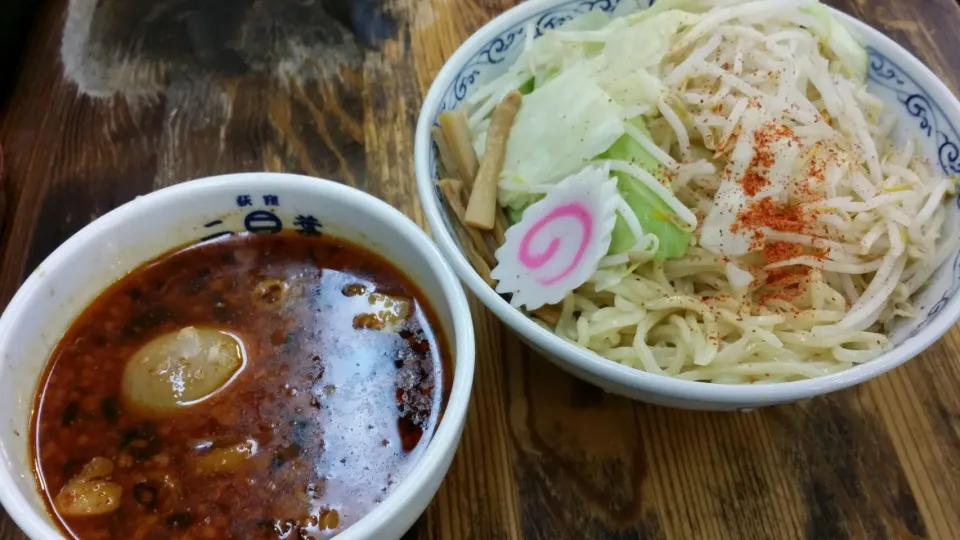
[836, 37]
[652, 213]
[572, 117]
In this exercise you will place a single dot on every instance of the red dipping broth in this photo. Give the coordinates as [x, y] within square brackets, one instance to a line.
[257, 386]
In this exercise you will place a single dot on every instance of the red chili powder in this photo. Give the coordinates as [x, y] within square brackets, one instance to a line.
[666, 176]
[763, 156]
[802, 190]
[787, 283]
[816, 170]
[700, 217]
[765, 213]
[753, 182]
[784, 283]
[787, 278]
[729, 142]
[756, 178]
[774, 215]
[775, 252]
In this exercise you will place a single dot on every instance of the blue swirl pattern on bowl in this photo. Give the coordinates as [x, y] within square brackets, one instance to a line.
[933, 125]
[884, 76]
[933, 122]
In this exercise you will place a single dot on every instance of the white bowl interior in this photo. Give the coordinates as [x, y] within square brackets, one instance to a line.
[63, 285]
[926, 112]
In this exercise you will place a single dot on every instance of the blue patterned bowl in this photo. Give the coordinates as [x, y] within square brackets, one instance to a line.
[927, 111]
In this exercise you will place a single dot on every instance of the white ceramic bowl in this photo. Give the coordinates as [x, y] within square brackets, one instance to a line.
[926, 109]
[64, 284]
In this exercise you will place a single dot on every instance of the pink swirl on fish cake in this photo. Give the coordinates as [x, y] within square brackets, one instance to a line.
[535, 261]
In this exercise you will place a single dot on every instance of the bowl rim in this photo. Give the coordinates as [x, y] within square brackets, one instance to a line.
[447, 435]
[583, 360]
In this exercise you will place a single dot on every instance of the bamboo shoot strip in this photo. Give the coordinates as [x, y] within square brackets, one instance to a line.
[452, 194]
[447, 165]
[498, 236]
[452, 190]
[456, 134]
[476, 261]
[481, 212]
[548, 314]
[500, 227]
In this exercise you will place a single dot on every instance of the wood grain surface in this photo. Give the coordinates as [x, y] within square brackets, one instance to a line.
[543, 455]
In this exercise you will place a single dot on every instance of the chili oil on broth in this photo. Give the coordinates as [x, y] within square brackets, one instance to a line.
[325, 379]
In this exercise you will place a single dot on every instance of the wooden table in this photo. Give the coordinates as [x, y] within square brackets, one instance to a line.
[543, 455]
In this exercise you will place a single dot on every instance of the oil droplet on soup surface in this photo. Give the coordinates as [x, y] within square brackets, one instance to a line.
[181, 368]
